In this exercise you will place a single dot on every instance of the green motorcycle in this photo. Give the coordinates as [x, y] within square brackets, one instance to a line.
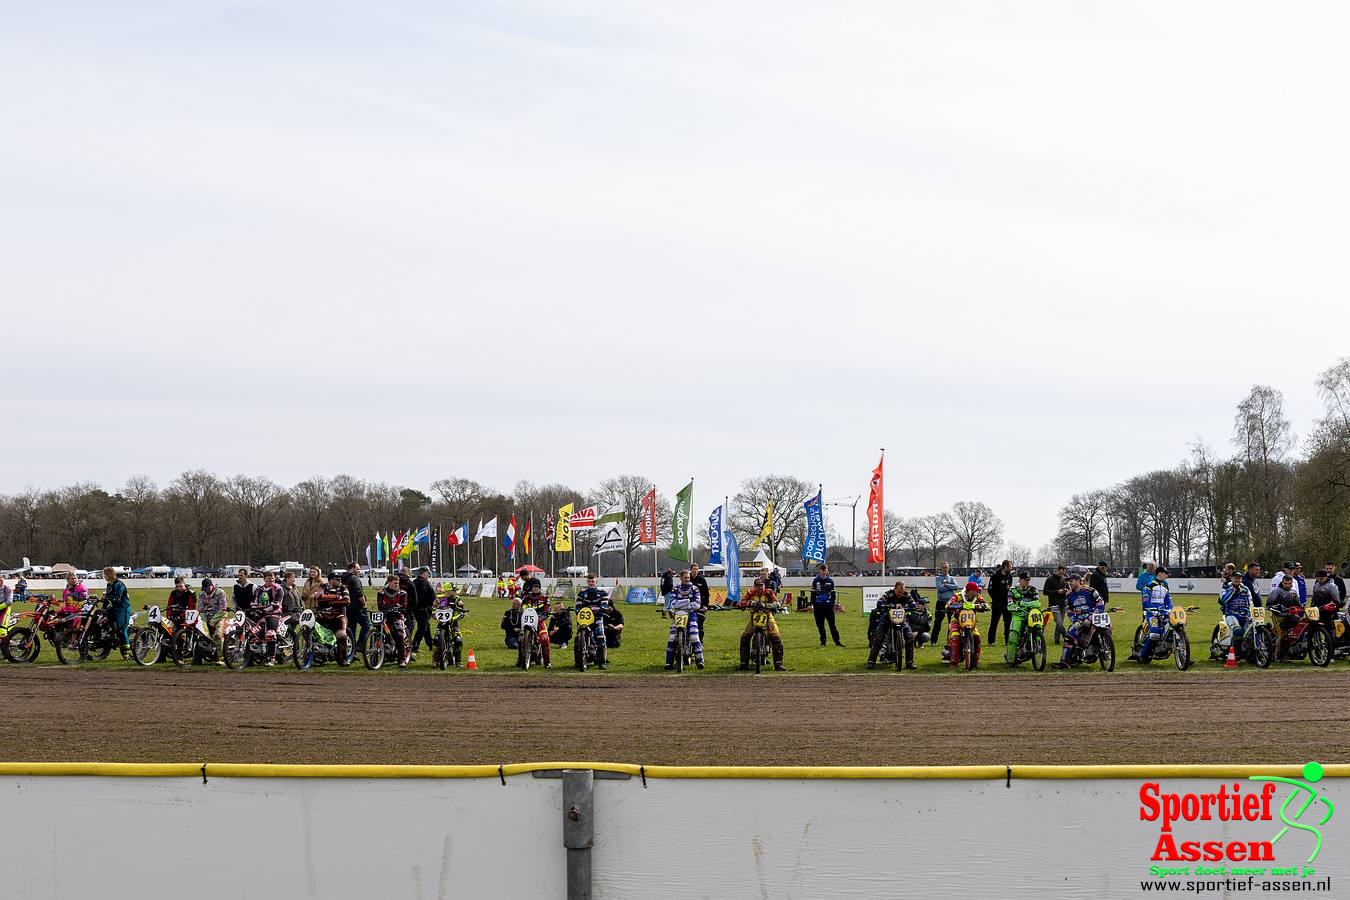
[1026, 636]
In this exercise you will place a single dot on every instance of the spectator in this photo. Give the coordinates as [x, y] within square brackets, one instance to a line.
[21, 589]
[314, 586]
[358, 619]
[1301, 582]
[1286, 571]
[1145, 580]
[613, 618]
[823, 600]
[511, 624]
[697, 580]
[1336, 579]
[1097, 581]
[531, 584]
[1252, 581]
[290, 600]
[667, 581]
[560, 628]
[1000, 583]
[776, 580]
[1056, 591]
[244, 591]
[422, 600]
[947, 588]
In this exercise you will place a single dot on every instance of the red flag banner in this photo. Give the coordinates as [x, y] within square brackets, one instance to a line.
[647, 527]
[876, 541]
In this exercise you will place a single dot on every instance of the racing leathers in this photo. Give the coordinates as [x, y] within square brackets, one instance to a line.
[594, 600]
[685, 598]
[879, 628]
[267, 608]
[1157, 609]
[759, 597]
[1235, 605]
[333, 605]
[394, 605]
[1023, 602]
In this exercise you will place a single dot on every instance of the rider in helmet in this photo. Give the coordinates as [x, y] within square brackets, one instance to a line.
[332, 607]
[972, 594]
[393, 602]
[1157, 608]
[539, 601]
[1235, 602]
[1023, 601]
[896, 598]
[685, 597]
[759, 596]
[595, 599]
[1081, 603]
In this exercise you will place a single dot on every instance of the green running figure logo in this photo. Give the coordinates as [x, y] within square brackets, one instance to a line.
[1313, 772]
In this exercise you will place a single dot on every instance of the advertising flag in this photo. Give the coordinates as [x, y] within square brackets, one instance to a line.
[767, 529]
[562, 543]
[509, 539]
[733, 569]
[583, 519]
[529, 527]
[459, 536]
[369, 564]
[611, 537]
[715, 529]
[488, 530]
[814, 548]
[436, 550]
[679, 525]
[876, 539]
[647, 529]
[407, 548]
[379, 548]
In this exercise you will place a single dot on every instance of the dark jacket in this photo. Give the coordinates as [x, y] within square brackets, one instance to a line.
[425, 597]
[1253, 587]
[701, 583]
[667, 583]
[1098, 582]
[405, 584]
[1055, 590]
[244, 594]
[1000, 583]
[356, 598]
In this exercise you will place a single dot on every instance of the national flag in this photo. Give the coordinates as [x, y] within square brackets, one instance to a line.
[814, 547]
[549, 530]
[562, 542]
[509, 539]
[679, 525]
[423, 535]
[488, 530]
[459, 536]
[715, 528]
[396, 548]
[876, 539]
[408, 544]
[647, 528]
[613, 514]
[767, 529]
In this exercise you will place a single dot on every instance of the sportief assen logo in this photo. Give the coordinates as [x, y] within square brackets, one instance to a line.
[1229, 803]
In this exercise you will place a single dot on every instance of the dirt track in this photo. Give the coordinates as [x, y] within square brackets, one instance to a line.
[286, 717]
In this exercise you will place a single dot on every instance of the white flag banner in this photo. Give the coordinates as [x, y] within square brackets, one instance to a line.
[610, 538]
[486, 531]
[613, 514]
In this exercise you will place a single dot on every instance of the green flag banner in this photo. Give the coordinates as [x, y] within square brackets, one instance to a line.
[679, 540]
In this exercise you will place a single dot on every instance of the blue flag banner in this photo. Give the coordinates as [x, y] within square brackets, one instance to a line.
[814, 548]
[733, 568]
[715, 537]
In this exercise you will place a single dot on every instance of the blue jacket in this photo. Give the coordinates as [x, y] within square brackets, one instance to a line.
[1158, 600]
[1302, 589]
[1144, 581]
[946, 586]
[1236, 601]
[822, 590]
[1083, 602]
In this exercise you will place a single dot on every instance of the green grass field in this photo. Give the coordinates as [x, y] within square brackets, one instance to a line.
[644, 641]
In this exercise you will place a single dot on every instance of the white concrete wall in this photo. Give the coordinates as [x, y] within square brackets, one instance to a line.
[337, 838]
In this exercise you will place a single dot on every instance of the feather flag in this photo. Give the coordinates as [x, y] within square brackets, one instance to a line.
[876, 539]
[525, 541]
[768, 527]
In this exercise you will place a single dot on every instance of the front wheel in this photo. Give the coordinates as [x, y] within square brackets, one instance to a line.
[304, 649]
[1038, 650]
[1139, 639]
[236, 650]
[95, 645]
[145, 647]
[184, 648]
[442, 649]
[680, 652]
[1106, 650]
[1261, 648]
[525, 654]
[23, 645]
[968, 650]
[372, 654]
[1181, 651]
[1319, 647]
[66, 643]
[757, 651]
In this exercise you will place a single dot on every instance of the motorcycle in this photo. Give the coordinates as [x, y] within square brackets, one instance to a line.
[1174, 642]
[101, 635]
[1307, 637]
[759, 636]
[155, 641]
[890, 638]
[1031, 639]
[585, 649]
[966, 641]
[245, 641]
[1099, 647]
[378, 641]
[66, 633]
[316, 644]
[1258, 644]
[192, 643]
[24, 642]
[528, 649]
[448, 641]
[684, 648]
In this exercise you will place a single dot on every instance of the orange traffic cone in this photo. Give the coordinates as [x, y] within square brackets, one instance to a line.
[1231, 662]
[472, 663]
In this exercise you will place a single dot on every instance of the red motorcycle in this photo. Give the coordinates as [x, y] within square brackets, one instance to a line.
[1307, 636]
[246, 639]
[24, 642]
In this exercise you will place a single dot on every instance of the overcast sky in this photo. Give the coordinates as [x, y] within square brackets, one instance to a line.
[1030, 249]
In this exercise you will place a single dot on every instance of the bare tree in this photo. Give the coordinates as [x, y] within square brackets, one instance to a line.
[936, 529]
[975, 529]
[627, 492]
[747, 513]
[1081, 524]
[199, 498]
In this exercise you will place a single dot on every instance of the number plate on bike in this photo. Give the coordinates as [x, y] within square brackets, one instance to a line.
[152, 617]
[190, 617]
[759, 619]
[585, 616]
[1312, 613]
[376, 618]
[1178, 617]
[307, 618]
[1101, 620]
[897, 617]
[444, 615]
[1258, 615]
[682, 620]
[966, 618]
[529, 618]
[239, 618]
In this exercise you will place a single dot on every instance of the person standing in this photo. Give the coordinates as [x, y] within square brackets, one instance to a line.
[314, 586]
[1097, 581]
[244, 591]
[947, 588]
[423, 599]
[290, 601]
[215, 606]
[776, 580]
[1000, 584]
[697, 580]
[1144, 582]
[823, 599]
[1301, 582]
[119, 604]
[1336, 579]
[1252, 581]
[1056, 591]
[357, 618]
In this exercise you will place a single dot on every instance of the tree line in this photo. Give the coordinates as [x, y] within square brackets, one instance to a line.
[1272, 499]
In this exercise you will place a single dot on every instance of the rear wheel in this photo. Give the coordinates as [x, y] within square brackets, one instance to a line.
[442, 649]
[1319, 647]
[1181, 652]
[526, 652]
[757, 651]
[183, 649]
[304, 649]
[372, 654]
[66, 643]
[145, 647]
[23, 645]
[1038, 650]
[236, 650]
[1262, 648]
[1106, 650]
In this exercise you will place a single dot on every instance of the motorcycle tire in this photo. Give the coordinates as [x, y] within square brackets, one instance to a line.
[146, 648]
[237, 655]
[968, 650]
[1262, 648]
[183, 649]
[285, 648]
[1319, 647]
[524, 656]
[1181, 650]
[452, 648]
[372, 654]
[1038, 650]
[66, 643]
[757, 651]
[898, 648]
[23, 645]
[304, 649]
[1139, 639]
[1106, 651]
[442, 650]
[680, 654]
[1215, 651]
[94, 645]
[579, 650]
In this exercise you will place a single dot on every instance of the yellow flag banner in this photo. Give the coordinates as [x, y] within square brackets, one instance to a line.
[768, 527]
[562, 541]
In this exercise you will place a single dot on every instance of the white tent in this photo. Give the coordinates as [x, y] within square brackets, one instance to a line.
[763, 561]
